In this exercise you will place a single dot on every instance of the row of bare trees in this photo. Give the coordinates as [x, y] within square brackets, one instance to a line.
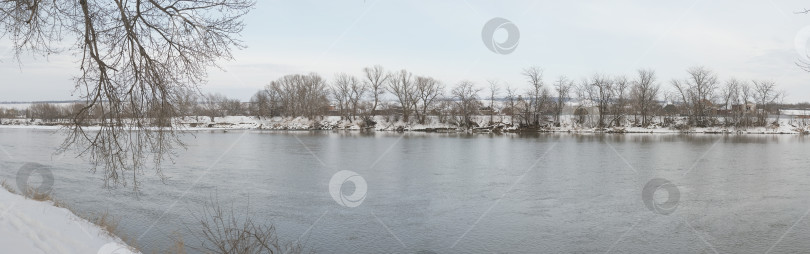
[614, 98]
[703, 98]
[192, 104]
[597, 101]
[619, 100]
[352, 97]
[416, 97]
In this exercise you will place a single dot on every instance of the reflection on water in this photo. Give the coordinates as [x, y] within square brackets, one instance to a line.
[462, 193]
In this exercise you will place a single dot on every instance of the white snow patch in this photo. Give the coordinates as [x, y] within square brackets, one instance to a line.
[29, 226]
[784, 125]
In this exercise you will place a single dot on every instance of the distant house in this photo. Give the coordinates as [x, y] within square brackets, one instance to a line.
[710, 108]
[331, 110]
[509, 111]
[385, 112]
[750, 108]
[486, 111]
[388, 110]
[520, 107]
[670, 109]
[582, 107]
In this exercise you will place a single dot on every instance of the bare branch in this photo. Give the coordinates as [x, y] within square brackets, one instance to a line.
[137, 59]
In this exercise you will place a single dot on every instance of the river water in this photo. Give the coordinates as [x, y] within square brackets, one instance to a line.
[460, 193]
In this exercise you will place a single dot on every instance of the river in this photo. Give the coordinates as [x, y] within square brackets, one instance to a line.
[459, 193]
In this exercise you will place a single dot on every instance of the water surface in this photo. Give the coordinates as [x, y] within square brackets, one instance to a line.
[460, 193]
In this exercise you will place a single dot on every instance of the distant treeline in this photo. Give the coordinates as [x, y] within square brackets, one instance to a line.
[596, 101]
[700, 98]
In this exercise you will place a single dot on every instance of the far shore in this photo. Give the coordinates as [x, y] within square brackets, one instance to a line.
[500, 125]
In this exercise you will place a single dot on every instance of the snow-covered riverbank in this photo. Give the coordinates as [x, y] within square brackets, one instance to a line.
[29, 226]
[383, 123]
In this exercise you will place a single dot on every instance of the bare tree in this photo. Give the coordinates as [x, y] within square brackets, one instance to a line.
[511, 101]
[401, 85]
[136, 58]
[545, 103]
[313, 96]
[534, 75]
[563, 89]
[600, 90]
[300, 95]
[348, 91]
[583, 93]
[260, 104]
[213, 105]
[729, 91]
[765, 94]
[375, 78]
[493, 91]
[47, 112]
[620, 101]
[357, 90]
[427, 90]
[730, 97]
[746, 95]
[273, 99]
[466, 102]
[698, 91]
[644, 93]
[341, 92]
[232, 107]
[186, 104]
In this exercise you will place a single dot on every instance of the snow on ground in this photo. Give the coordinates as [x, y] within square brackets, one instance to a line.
[324, 123]
[386, 123]
[29, 226]
[795, 112]
[785, 126]
[18, 106]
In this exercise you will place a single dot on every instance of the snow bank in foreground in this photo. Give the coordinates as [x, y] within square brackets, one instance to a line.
[29, 226]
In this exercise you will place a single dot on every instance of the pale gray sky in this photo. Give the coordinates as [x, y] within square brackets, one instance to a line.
[743, 39]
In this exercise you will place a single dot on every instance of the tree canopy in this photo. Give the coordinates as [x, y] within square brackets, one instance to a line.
[135, 58]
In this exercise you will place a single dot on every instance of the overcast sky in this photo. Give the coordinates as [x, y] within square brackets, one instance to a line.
[743, 39]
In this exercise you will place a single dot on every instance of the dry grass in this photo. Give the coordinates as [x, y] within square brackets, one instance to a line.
[7, 186]
[222, 231]
[35, 194]
[31, 193]
[106, 222]
[179, 246]
[109, 225]
[61, 204]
